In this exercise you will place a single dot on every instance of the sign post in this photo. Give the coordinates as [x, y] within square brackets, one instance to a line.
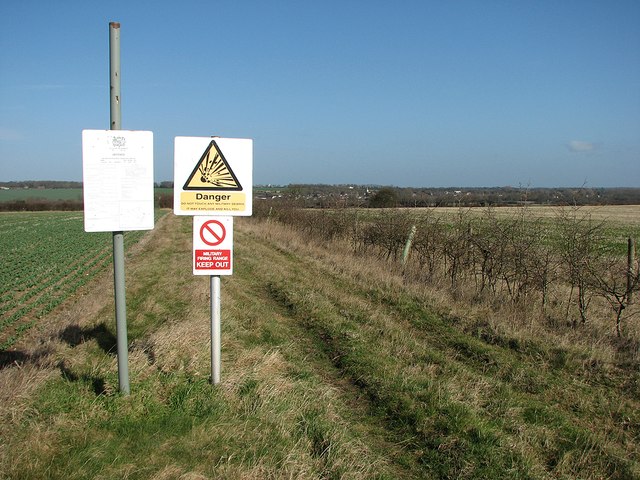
[216, 341]
[117, 174]
[118, 237]
[213, 176]
[213, 256]
[118, 195]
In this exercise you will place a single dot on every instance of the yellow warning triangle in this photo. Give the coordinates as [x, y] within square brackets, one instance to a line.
[212, 172]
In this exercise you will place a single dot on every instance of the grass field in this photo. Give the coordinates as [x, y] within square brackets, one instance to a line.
[332, 367]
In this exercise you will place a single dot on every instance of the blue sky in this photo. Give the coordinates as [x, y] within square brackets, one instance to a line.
[407, 93]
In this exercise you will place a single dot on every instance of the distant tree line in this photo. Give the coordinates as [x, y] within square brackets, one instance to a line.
[331, 196]
[374, 196]
[40, 184]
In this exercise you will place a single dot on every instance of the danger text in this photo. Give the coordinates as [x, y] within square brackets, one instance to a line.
[215, 197]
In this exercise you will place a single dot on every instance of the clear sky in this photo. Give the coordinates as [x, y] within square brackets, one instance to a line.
[409, 93]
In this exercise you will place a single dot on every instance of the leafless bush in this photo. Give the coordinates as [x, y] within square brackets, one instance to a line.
[520, 259]
[615, 280]
[386, 234]
[578, 246]
[427, 243]
[457, 250]
[165, 200]
[489, 246]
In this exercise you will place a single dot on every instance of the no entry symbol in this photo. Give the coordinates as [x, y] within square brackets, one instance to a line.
[212, 233]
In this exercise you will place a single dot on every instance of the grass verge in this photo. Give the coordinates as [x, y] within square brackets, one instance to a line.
[331, 369]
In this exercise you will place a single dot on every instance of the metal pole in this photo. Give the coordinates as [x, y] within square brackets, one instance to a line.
[118, 237]
[121, 312]
[114, 71]
[215, 329]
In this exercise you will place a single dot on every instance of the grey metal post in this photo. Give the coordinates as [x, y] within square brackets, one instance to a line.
[114, 72]
[118, 237]
[215, 329]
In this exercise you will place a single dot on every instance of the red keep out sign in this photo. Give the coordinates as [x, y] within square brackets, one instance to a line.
[212, 245]
[213, 259]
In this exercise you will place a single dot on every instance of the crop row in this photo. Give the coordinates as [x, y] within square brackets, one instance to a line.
[46, 257]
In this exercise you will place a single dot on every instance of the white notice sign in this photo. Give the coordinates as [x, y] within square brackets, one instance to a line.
[117, 175]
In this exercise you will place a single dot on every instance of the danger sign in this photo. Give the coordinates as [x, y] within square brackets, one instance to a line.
[212, 245]
[213, 176]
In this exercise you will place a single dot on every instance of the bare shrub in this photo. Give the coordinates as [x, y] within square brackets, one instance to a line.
[489, 249]
[165, 200]
[516, 256]
[610, 279]
[579, 251]
[457, 250]
[427, 243]
[387, 234]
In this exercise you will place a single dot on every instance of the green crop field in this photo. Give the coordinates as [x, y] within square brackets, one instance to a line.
[46, 257]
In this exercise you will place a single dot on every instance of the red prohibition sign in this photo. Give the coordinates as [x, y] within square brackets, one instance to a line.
[212, 232]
